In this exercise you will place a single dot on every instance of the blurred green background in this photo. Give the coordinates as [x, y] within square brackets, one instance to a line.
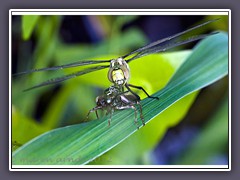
[198, 126]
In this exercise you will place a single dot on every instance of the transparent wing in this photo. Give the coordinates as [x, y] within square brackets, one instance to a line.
[69, 76]
[75, 64]
[164, 47]
[167, 40]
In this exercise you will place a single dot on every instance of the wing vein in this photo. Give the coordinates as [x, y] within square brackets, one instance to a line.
[167, 39]
[74, 64]
[66, 77]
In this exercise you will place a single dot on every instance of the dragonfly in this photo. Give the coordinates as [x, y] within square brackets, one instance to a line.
[116, 97]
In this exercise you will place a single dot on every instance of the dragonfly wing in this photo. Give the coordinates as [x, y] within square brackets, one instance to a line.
[164, 47]
[69, 76]
[75, 64]
[168, 39]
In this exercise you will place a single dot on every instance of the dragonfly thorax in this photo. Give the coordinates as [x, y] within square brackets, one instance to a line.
[119, 72]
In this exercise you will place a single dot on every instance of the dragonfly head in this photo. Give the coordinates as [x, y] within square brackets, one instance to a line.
[119, 72]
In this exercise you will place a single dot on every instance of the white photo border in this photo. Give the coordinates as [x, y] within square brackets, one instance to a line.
[13, 12]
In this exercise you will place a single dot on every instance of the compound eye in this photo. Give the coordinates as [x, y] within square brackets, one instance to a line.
[112, 64]
[120, 61]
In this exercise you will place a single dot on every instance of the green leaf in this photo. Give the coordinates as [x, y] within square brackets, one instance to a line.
[132, 150]
[28, 24]
[79, 144]
[23, 128]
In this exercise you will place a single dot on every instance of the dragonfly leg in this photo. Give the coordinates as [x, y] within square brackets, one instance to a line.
[97, 114]
[141, 88]
[110, 119]
[141, 115]
[130, 106]
[93, 110]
